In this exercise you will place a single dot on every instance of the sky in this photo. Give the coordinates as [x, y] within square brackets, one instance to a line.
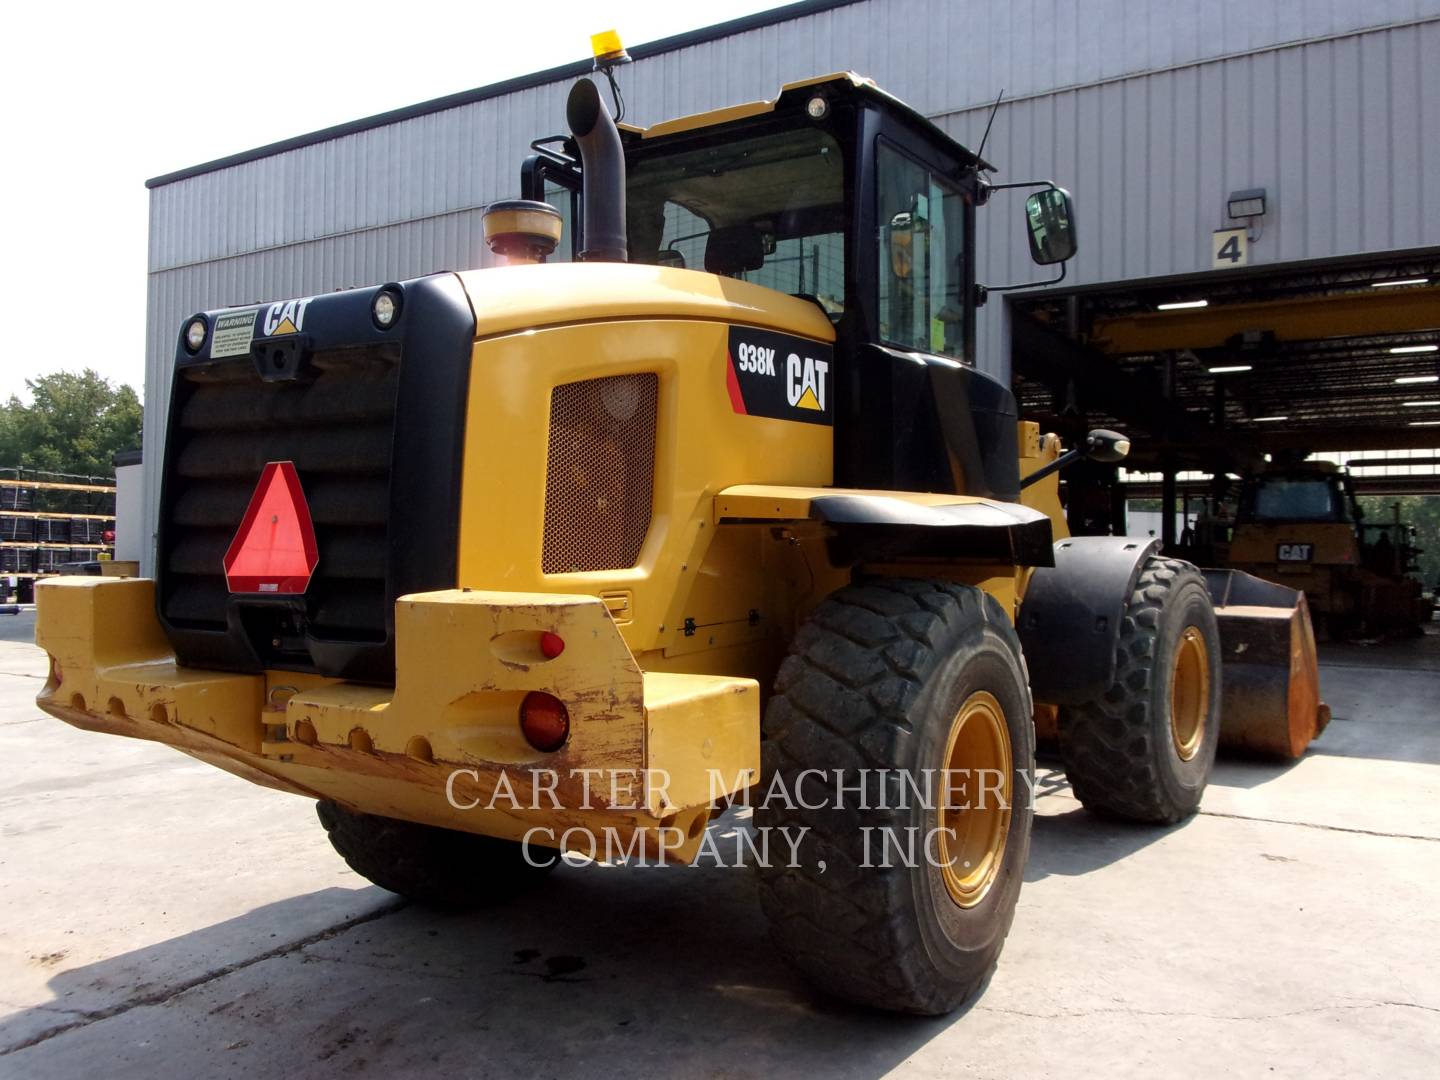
[102, 96]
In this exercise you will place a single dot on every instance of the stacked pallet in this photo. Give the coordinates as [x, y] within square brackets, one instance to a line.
[49, 521]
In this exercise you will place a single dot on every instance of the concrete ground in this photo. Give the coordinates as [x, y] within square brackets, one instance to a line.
[160, 919]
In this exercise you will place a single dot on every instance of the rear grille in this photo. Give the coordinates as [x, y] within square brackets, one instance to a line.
[336, 423]
[599, 484]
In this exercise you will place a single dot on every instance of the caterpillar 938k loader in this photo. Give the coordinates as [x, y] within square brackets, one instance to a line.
[722, 504]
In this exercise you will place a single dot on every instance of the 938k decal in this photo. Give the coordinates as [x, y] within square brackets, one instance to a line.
[780, 376]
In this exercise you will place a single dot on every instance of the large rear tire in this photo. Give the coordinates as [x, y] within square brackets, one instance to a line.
[1145, 748]
[905, 679]
[437, 867]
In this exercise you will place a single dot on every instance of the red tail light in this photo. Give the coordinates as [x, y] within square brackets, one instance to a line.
[274, 550]
[551, 645]
[544, 721]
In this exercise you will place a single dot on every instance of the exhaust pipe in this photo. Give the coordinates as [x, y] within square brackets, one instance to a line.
[602, 162]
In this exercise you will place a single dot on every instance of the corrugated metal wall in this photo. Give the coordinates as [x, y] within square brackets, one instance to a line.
[1149, 111]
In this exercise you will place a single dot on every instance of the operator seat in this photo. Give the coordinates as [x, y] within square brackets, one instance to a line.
[734, 249]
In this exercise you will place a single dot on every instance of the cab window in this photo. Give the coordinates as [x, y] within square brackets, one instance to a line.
[921, 252]
[767, 208]
[564, 200]
[1294, 500]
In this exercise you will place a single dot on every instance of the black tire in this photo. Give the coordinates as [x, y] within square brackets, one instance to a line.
[432, 866]
[1121, 755]
[873, 682]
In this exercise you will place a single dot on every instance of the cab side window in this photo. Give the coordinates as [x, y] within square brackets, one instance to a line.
[921, 239]
[564, 200]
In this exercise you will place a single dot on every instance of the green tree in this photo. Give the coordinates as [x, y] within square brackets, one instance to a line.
[73, 424]
[1422, 511]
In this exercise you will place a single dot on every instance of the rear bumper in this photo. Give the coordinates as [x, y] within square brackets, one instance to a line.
[649, 753]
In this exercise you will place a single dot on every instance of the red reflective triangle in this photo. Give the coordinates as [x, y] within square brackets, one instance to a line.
[274, 550]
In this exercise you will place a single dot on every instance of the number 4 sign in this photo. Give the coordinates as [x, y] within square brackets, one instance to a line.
[1229, 247]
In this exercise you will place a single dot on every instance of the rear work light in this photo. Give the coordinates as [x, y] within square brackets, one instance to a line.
[195, 331]
[274, 550]
[385, 308]
[544, 721]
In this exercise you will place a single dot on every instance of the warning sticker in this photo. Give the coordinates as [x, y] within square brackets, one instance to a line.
[234, 331]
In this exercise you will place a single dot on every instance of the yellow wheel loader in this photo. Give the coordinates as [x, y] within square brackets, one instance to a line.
[567, 555]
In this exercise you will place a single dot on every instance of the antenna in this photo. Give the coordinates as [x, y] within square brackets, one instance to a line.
[980, 154]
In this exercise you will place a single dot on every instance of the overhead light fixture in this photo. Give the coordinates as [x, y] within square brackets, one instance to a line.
[1414, 349]
[1410, 380]
[1249, 203]
[1231, 369]
[1179, 304]
[1420, 404]
[1270, 419]
[1423, 423]
[1403, 281]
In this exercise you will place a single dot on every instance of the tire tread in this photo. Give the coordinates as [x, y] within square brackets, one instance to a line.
[848, 930]
[1107, 745]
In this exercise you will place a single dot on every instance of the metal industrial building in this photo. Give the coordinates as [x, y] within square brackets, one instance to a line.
[1152, 112]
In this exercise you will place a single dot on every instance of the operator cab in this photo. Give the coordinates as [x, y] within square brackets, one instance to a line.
[842, 195]
[1309, 496]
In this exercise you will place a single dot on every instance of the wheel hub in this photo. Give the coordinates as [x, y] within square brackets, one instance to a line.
[1190, 693]
[976, 800]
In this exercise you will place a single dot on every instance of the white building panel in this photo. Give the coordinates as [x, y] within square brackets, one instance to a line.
[1149, 111]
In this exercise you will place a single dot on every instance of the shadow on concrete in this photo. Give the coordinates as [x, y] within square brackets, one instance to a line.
[1240, 771]
[1078, 842]
[649, 972]
[1380, 742]
[93, 992]
[1383, 701]
[1418, 653]
[19, 627]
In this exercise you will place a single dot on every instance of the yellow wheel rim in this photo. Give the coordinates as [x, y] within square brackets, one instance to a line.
[1190, 693]
[975, 800]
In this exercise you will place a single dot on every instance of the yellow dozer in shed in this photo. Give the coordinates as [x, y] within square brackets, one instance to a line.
[700, 501]
[1299, 525]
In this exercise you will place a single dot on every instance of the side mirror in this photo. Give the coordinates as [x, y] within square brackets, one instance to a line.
[1051, 222]
[1106, 447]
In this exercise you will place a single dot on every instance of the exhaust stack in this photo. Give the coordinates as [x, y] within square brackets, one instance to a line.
[603, 166]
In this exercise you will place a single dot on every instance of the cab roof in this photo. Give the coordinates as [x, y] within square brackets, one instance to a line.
[839, 84]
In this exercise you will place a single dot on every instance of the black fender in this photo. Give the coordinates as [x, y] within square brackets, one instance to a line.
[871, 528]
[1069, 622]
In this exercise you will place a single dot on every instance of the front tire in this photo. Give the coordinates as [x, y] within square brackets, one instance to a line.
[437, 867]
[1145, 748]
[891, 681]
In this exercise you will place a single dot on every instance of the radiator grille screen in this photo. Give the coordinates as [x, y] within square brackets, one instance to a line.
[600, 480]
[336, 425]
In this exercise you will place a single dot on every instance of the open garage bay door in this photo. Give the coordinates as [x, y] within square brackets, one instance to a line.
[1214, 375]
[1300, 357]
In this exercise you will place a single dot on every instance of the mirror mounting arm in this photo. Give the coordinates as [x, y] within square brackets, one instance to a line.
[1106, 447]
[982, 290]
[1022, 184]
[1069, 457]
